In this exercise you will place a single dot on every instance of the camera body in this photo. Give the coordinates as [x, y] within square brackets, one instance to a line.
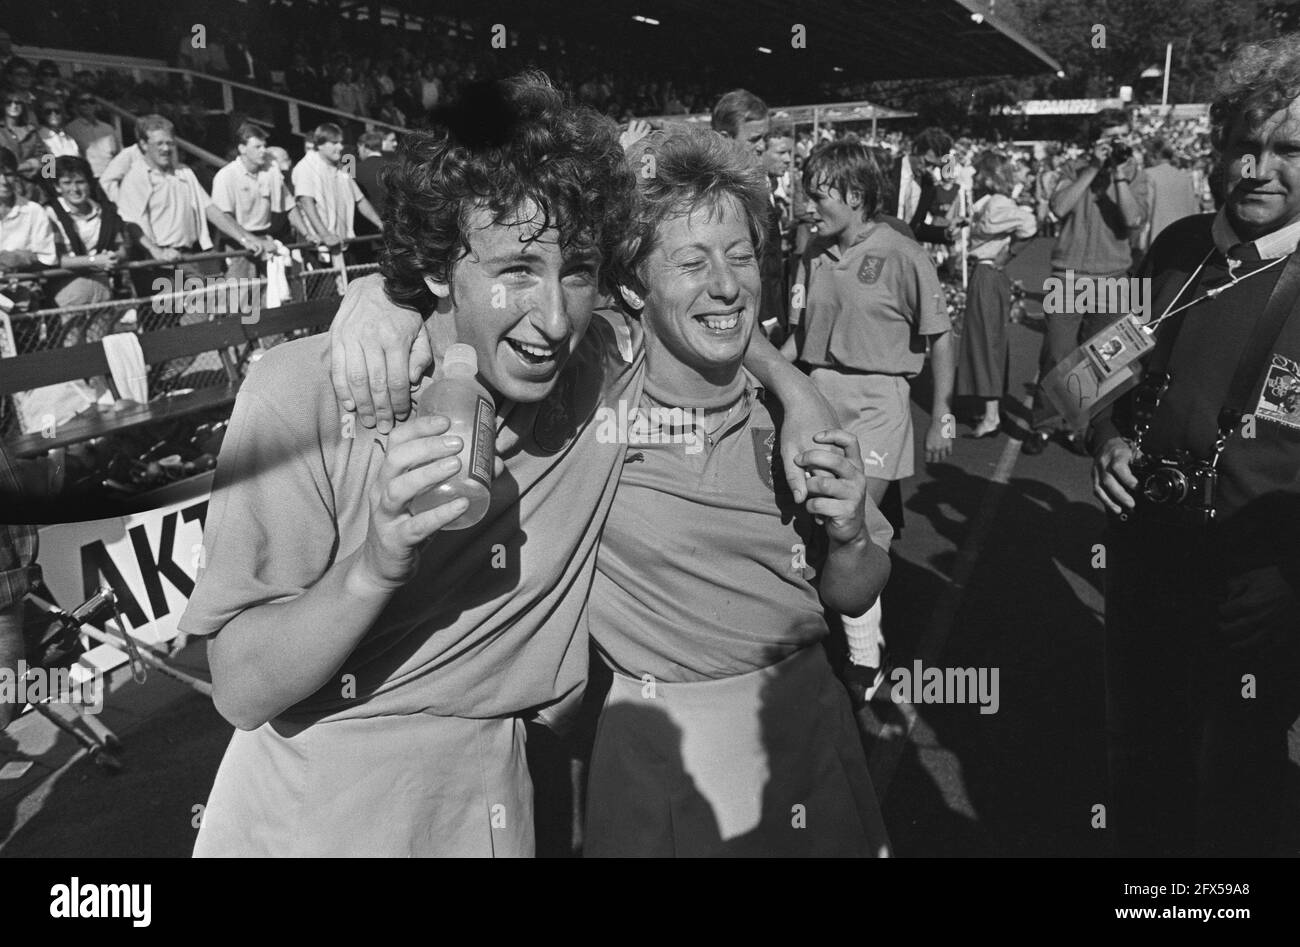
[1120, 151]
[1178, 489]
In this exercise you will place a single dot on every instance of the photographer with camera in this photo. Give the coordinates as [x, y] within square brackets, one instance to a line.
[1100, 201]
[1199, 468]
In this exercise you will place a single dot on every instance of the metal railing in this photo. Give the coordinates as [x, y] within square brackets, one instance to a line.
[228, 87]
[120, 113]
[181, 297]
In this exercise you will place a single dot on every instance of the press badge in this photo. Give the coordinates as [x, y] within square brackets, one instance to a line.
[1098, 371]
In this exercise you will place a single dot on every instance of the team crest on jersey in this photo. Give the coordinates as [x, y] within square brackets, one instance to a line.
[764, 452]
[870, 269]
[1280, 399]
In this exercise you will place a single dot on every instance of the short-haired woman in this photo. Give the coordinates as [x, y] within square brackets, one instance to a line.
[724, 731]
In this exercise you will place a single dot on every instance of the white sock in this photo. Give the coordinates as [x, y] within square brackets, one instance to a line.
[866, 637]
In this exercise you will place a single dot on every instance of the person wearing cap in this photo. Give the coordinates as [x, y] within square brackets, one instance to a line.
[723, 720]
[97, 139]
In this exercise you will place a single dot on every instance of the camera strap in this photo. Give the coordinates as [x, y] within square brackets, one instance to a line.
[1250, 365]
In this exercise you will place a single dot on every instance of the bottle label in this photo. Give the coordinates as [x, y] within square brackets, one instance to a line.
[483, 449]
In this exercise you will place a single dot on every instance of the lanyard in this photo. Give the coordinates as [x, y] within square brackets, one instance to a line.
[1150, 327]
[1280, 303]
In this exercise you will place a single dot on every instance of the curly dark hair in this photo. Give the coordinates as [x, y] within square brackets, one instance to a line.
[503, 145]
[1260, 79]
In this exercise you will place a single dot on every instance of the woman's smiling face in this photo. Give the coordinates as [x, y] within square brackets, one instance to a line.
[703, 287]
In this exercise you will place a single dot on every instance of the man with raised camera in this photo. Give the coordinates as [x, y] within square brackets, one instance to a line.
[1100, 201]
[1199, 468]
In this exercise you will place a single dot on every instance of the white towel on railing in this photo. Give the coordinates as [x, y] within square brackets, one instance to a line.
[126, 364]
[277, 279]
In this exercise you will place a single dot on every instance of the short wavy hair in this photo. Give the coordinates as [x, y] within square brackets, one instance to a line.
[678, 171]
[503, 146]
[848, 166]
[734, 109]
[1260, 79]
[148, 124]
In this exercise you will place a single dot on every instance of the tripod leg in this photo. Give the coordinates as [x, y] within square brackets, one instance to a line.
[98, 752]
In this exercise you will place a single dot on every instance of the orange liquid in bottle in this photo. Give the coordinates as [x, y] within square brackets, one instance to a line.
[456, 395]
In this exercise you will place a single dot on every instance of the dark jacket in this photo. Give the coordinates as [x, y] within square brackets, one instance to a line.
[925, 233]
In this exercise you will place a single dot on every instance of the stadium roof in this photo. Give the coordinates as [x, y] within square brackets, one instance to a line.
[847, 41]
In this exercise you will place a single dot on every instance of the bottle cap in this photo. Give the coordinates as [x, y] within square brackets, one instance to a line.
[460, 359]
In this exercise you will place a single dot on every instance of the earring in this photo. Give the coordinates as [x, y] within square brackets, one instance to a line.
[631, 298]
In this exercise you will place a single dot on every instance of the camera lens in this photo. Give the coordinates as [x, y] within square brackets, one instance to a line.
[1167, 485]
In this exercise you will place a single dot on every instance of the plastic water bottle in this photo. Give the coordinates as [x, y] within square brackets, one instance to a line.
[456, 395]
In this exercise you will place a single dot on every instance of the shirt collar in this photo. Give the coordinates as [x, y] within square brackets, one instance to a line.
[20, 204]
[1279, 243]
[832, 249]
[94, 209]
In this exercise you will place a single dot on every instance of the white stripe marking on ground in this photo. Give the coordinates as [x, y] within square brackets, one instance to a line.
[885, 759]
